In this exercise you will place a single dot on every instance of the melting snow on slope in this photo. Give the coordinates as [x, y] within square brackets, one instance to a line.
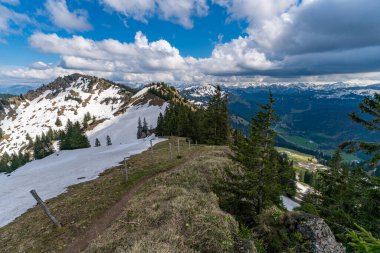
[52, 175]
[289, 203]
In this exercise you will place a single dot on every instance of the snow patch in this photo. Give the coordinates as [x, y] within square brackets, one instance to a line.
[52, 175]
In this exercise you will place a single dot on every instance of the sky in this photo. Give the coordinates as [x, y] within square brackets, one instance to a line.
[191, 41]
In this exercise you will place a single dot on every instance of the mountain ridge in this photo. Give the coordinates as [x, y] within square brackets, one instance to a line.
[69, 97]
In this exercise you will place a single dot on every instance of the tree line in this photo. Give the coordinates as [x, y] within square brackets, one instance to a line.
[72, 137]
[208, 125]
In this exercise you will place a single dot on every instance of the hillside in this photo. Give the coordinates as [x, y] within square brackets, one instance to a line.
[166, 206]
[116, 111]
[69, 97]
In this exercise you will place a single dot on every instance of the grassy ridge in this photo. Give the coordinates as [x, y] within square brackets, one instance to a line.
[176, 212]
[83, 203]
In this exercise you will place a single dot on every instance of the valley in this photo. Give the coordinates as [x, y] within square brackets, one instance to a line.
[311, 118]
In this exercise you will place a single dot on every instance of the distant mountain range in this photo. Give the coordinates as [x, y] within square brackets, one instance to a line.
[15, 89]
[311, 117]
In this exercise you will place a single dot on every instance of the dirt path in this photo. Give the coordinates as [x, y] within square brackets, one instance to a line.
[103, 222]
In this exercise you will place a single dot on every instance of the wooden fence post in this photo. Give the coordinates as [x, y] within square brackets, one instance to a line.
[178, 146]
[170, 151]
[45, 208]
[189, 143]
[126, 169]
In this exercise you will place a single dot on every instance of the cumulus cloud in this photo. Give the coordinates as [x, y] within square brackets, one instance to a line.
[10, 21]
[310, 37]
[286, 40]
[180, 12]
[61, 16]
[138, 60]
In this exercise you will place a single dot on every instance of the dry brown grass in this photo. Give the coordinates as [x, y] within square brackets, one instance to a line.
[83, 203]
[175, 212]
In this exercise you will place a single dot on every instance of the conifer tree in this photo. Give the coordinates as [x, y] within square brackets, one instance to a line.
[97, 143]
[370, 119]
[217, 123]
[74, 137]
[266, 174]
[139, 129]
[344, 197]
[58, 122]
[145, 128]
[109, 143]
[160, 125]
[42, 147]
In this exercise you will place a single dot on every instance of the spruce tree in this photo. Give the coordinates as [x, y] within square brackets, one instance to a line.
[42, 147]
[145, 128]
[109, 143]
[74, 137]
[217, 123]
[58, 122]
[160, 125]
[97, 143]
[345, 197]
[266, 174]
[139, 129]
[370, 119]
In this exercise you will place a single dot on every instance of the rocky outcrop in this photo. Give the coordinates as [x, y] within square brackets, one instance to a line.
[316, 231]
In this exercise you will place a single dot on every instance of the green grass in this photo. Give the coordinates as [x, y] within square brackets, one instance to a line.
[297, 156]
[176, 212]
[83, 203]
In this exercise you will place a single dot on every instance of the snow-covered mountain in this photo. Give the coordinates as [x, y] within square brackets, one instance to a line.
[69, 97]
[116, 110]
[199, 94]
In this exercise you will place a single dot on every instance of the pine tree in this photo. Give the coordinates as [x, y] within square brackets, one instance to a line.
[97, 143]
[50, 134]
[145, 129]
[370, 119]
[86, 119]
[344, 197]
[266, 173]
[109, 143]
[217, 123]
[74, 137]
[42, 147]
[58, 122]
[139, 129]
[160, 125]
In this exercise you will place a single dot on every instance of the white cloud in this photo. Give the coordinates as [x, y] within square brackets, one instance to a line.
[39, 65]
[10, 19]
[61, 16]
[180, 12]
[138, 60]
[144, 59]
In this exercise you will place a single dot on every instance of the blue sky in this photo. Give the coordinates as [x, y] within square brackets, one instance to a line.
[191, 41]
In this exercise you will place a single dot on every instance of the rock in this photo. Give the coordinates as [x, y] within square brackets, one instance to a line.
[315, 230]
